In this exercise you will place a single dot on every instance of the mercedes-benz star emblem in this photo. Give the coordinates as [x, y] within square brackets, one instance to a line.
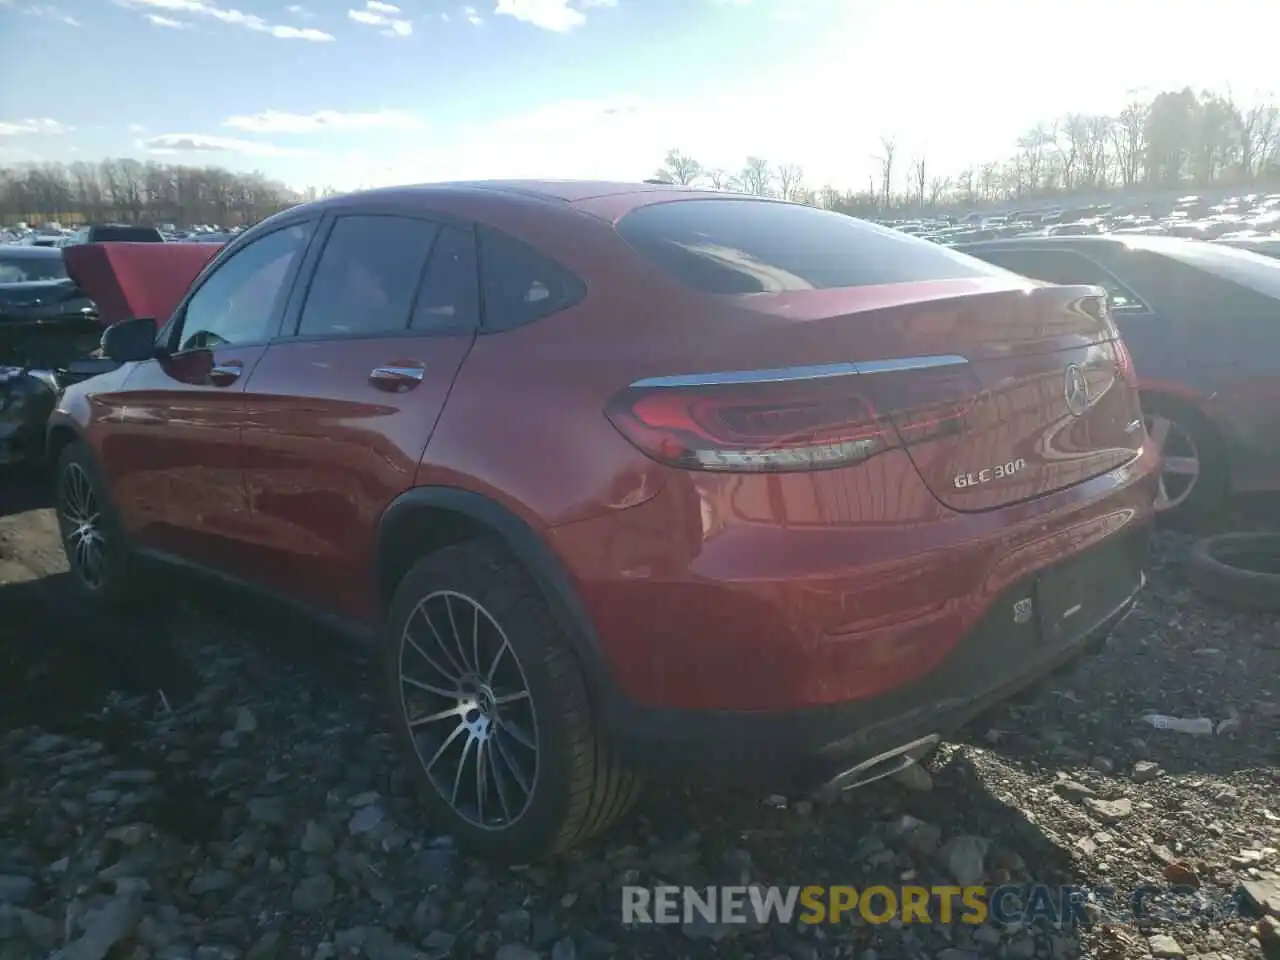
[1076, 390]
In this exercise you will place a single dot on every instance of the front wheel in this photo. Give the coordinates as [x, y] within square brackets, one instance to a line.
[101, 561]
[491, 707]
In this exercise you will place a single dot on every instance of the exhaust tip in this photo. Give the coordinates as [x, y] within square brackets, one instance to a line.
[878, 767]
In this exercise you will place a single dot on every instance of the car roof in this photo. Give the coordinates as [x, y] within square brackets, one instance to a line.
[617, 195]
[15, 252]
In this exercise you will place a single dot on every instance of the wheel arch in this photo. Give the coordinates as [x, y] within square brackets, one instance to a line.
[60, 433]
[428, 518]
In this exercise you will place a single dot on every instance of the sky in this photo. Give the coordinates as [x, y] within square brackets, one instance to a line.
[356, 93]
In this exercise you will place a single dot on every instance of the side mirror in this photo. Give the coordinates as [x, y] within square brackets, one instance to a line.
[130, 340]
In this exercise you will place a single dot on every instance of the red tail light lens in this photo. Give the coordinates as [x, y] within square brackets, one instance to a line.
[794, 425]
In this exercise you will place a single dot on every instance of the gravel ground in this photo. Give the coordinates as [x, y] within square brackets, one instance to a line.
[216, 784]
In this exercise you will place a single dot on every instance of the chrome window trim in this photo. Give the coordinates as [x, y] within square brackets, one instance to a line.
[791, 374]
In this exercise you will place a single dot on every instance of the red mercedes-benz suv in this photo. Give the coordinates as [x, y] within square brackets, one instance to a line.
[627, 479]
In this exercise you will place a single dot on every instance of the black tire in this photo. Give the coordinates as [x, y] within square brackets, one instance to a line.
[578, 787]
[1208, 497]
[1242, 569]
[119, 582]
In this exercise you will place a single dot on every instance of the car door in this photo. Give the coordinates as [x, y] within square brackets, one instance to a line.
[340, 408]
[174, 451]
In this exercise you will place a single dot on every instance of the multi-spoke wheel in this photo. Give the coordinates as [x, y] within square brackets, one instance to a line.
[81, 522]
[101, 562]
[1193, 474]
[466, 703]
[490, 703]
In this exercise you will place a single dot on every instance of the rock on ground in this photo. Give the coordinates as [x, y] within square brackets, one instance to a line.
[216, 783]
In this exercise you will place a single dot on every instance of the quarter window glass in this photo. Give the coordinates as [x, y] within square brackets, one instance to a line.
[238, 303]
[450, 294]
[367, 276]
[520, 284]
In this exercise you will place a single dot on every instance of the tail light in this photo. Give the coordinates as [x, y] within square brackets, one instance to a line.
[1124, 363]
[815, 423]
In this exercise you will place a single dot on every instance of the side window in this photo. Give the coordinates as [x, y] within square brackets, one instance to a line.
[367, 276]
[1066, 267]
[521, 285]
[238, 302]
[450, 293]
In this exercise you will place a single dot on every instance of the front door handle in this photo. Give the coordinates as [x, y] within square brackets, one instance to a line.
[396, 378]
[225, 374]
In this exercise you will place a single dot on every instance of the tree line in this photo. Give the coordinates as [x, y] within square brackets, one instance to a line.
[1177, 139]
[1174, 140]
[131, 191]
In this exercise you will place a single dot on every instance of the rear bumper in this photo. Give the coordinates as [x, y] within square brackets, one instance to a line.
[813, 747]
[753, 651]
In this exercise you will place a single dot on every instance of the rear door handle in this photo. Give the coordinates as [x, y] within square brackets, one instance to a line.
[225, 374]
[396, 378]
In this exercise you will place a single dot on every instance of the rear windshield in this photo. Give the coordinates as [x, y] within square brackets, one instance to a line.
[26, 269]
[126, 235]
[733, 246]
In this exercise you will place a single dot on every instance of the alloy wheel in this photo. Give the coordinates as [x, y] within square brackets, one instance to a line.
[1179, 461]
[82, 527]
[468, 709]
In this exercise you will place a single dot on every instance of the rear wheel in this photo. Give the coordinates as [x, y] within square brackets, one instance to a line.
[1193, 473]
[491, 707]
[102, 562]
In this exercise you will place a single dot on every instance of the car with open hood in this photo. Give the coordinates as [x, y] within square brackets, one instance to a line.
[50, 328]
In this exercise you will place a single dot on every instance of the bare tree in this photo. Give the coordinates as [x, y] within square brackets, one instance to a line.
[937, 187]
[919, 176]
[719, 179]
[888, 147]
[789, 177]
[680, 168]
[756, 177]
[128, 190]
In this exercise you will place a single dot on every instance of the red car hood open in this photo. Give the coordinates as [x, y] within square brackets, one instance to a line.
[128, 280]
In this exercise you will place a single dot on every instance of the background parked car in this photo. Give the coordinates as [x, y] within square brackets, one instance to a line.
[46, 324]
[1201, 321]
[116, 233]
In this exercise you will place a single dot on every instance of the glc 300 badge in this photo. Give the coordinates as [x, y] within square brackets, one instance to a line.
[1000, 471]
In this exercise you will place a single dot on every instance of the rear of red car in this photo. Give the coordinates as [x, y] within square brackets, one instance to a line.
[896, 485]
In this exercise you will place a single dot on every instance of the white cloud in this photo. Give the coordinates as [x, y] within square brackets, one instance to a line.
[170, 143]
[275, 121]
[472, 15]
[50, 12]
[167, 22]
[235, 18]
[555, 15]
[378, 14]
[136, 128]
[298, 10]
[14, 128]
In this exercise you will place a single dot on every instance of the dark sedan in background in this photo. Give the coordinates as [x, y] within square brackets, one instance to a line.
[1202, 323]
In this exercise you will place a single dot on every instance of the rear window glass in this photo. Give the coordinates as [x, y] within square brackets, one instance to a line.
[26, 269]
[125, 235]
[730, 246]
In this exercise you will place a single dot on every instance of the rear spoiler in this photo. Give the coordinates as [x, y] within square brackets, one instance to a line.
[129, 280]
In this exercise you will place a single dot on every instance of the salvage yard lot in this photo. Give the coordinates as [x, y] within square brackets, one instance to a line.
[213, 782]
